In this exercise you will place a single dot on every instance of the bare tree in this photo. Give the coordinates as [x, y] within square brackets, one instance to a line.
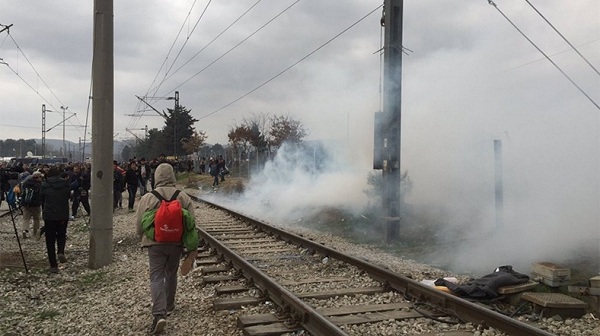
[194, 142]
[286, 129]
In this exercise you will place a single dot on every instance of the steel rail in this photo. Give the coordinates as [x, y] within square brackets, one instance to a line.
[463, 309]
[302, 313]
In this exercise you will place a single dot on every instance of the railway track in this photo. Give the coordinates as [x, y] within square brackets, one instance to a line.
[318, 290]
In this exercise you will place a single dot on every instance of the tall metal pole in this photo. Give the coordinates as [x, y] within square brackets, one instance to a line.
[392, 112]
[499, 190]
[101, 218]
[64, 148]
[43, 131]
[175, 123]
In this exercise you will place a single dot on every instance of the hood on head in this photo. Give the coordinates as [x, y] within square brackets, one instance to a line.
[164, 175]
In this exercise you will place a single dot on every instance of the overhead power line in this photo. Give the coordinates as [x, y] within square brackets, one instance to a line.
[291, 66]
[34, 69]
[557, 53]
[16, 72]
[176, 57]
[563, 37]
[171, 48]
[491, 2]
[209, 43]
[237, 45]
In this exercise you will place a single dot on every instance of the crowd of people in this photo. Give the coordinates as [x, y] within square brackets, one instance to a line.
[56, 194]
[60, 193]
[52, 194]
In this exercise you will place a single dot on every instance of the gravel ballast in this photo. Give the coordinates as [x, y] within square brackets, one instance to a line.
[115, 300]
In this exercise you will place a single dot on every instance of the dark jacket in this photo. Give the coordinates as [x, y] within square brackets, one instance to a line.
[86, 182]
[485, 288]
[35, 186]
[132, 177]
[55, 195]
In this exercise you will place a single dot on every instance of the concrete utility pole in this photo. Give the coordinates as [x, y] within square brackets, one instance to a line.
[392, 75]
[499, 190]
[101, 219]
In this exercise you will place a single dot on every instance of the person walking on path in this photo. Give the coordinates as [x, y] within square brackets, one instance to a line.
[84, 192]
[145, 172]
[75, 180]
[31, 203]
[213, 169]
[132, 178]
[55, 194]
[163, 258]
[118, 184]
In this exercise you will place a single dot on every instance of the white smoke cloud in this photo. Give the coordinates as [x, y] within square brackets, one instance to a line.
[297, 183]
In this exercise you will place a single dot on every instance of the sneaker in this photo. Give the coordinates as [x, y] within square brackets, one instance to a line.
[158, 325]
[188, 263]
[53, 270]
[71, 218]
[62, 258]
[170, 310]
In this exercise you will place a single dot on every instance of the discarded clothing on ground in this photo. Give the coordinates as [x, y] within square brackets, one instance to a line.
[485, 288]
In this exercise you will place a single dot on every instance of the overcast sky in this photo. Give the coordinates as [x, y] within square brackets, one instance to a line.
[467, 63]
[470, 78]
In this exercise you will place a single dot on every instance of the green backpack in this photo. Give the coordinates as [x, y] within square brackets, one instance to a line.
[189, 238]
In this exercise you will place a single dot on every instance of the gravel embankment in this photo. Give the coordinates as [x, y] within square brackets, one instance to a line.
[115, 299]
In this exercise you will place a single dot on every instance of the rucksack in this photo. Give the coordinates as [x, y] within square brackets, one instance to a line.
[30, 196]
[189, 240]
[11, 198]
[168, 220]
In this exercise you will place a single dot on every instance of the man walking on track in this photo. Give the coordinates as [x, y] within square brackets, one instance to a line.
[164, 256]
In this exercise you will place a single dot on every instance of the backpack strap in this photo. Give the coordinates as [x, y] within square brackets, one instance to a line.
[159, 196]
[174, 197]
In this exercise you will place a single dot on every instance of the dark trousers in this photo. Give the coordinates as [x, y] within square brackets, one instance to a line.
[132, 190]
[84, 200]
[117, 193]
[143, 186]
[56, 234]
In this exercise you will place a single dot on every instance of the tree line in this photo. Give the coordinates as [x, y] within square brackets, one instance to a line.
[260, 134]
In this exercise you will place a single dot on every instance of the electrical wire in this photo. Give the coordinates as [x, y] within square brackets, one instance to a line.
[34, 69]
[55, 109]
[563, 37]
[188, 38]
[135, 119]
[172, 46]
[237, 45]
[557, 53]
[291, 66]
[491, 2]
[180, 50]
[213, 40]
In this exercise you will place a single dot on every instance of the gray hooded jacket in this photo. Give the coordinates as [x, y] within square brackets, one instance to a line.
[165, 186]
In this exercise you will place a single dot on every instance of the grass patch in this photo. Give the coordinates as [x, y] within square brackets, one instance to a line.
[92, 278]
[48, 314]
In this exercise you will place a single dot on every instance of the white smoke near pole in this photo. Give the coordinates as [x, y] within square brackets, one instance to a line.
[300, 181]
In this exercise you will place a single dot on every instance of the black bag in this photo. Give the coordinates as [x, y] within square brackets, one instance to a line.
[30, 196]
